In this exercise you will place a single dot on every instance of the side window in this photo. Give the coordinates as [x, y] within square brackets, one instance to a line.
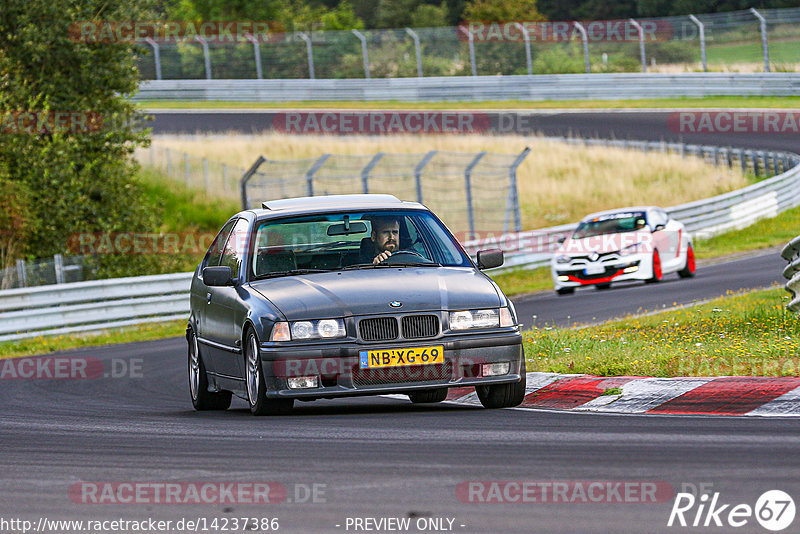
[217, 246]
[235, 247]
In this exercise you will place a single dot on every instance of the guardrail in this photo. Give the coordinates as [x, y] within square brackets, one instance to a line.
[791, 253]
[87, 306]
[478, 88]
[95, 305]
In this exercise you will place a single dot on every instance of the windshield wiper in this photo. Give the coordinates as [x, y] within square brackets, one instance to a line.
[291, 272]
[385, 265]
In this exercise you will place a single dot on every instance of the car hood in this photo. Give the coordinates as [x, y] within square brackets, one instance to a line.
[369, 291]
[604, 243]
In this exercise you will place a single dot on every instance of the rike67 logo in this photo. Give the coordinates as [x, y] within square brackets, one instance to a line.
[774, 510]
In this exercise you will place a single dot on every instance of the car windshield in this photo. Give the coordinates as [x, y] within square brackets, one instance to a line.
[327, 242]
[611, 224]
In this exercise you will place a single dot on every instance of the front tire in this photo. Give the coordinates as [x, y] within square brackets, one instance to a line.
[604, 285]
[428, 396]
[688, 269]
[565, 290]
[657, 272]
[256, 387]
[503, 395]
[202, 398]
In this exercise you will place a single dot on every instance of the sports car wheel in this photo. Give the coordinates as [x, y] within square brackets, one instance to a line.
[202, 399]
[657, 273]
[503, 395]
[428, 396]
[256, 388]
[689, 268]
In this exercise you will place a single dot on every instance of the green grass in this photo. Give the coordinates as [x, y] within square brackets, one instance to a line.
[750, 334]
[128, 334]
[778, 102]
[779, 51]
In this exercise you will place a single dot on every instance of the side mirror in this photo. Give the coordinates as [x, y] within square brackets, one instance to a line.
[659, 227]
[562, 239]
[218, 276]
[490, 258]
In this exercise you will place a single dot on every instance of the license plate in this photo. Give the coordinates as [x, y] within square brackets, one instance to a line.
[594, 269]
[372, 359]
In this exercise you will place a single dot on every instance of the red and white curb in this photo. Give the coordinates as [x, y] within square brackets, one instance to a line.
[729, 395]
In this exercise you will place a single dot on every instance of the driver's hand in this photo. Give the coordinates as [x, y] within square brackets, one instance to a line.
[382, 256]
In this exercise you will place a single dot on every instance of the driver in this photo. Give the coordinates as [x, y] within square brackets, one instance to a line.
[385, 237]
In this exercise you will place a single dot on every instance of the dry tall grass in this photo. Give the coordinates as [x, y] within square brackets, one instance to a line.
[558, 183]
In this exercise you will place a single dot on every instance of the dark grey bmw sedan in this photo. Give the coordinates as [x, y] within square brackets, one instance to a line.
[324, 297]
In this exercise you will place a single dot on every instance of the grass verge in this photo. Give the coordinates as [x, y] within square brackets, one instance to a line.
[778, 102]
[128, 334]
[747, 334]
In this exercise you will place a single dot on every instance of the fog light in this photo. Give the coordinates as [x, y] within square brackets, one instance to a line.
[563, 278]
[631, 269]
[495, 369]
[304, 382]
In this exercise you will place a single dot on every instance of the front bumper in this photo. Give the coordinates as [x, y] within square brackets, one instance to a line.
[337, 366]
[576, 274]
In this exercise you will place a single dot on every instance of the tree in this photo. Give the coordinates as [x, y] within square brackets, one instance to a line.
[77, 181]
[491, 10]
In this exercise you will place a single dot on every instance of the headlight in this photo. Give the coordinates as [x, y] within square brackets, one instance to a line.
[563, 258]
[468, 319]
[633, 249]
[322, 329]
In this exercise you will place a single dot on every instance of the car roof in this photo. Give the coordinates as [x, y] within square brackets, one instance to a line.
[619, 210]
[303, 205]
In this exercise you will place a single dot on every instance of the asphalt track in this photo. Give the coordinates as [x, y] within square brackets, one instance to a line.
[382, 457]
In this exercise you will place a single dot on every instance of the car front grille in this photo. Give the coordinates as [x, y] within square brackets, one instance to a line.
[378, 329]
[419, 326]
[396, 375]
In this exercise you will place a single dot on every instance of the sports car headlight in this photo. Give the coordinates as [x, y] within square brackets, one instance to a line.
[321, 329]
[563, 258]
[469, 319]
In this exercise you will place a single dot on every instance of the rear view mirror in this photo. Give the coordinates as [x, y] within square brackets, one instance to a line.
[347, 228]
[218, 276]
[490, 258]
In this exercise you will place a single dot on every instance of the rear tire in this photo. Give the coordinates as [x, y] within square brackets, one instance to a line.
[503, 395]
[565, 290]
[256, 387]
[657, 272]
[688, 269]
[202, 398]
[428, 396]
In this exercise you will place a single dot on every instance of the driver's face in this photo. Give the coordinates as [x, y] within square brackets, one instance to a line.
[386, 237]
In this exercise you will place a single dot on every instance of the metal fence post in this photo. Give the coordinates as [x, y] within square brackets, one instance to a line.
[468, 190]
[246, 178]
[156, 56]
[186, 168]
[312, 171]
[527, 37]
[364, 52]
[585, 39]
[641, 43]
[256, 54]
[169, 162]
[702, 29]
[366, 170]
[512, 174]
[418, 173]
[729, 157]
[21, 276]
[764, 45]
[205, 174]
[471, 49]
[743, 160]
[58, 267]
[309, 53]
[417, 49]
[206, 55]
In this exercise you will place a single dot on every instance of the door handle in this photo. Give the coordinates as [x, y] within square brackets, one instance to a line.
[208, 298]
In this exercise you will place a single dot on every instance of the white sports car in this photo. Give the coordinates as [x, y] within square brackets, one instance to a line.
[639, 243]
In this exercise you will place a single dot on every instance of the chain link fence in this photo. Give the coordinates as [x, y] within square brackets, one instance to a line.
[737, 41]
[469, 191]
